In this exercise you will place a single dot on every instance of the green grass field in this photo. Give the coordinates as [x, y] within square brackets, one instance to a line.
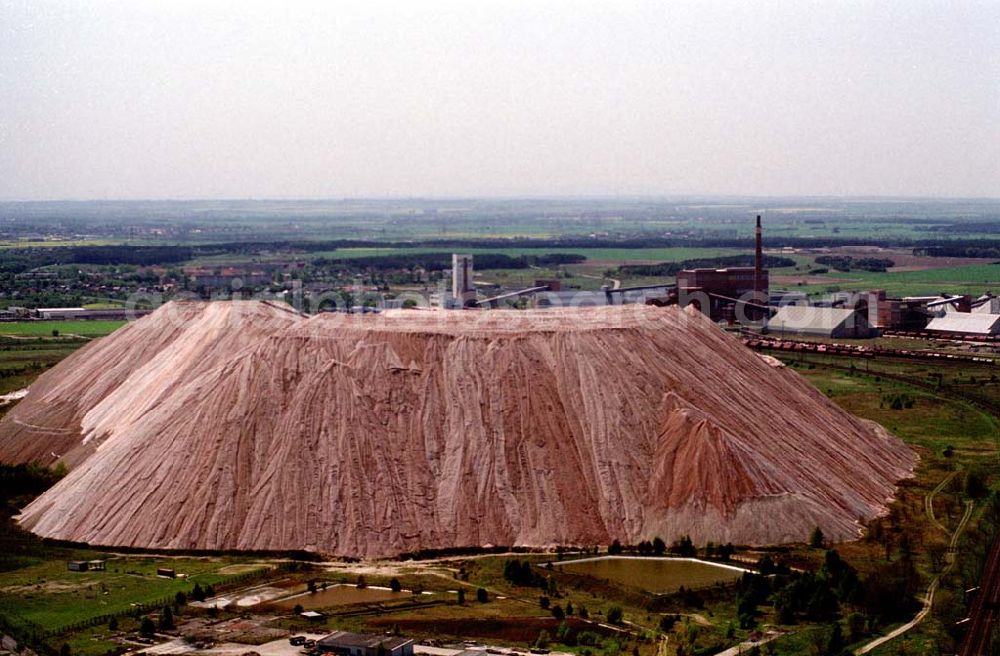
[969, 279]
[50, 595]
[97, 328]
[599, 254]
[103, 305]
[56, 243]
[28, 348]
[23, 360]
[612, 256]
[933, 422]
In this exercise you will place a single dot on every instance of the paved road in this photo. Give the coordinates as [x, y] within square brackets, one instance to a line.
[745, 647]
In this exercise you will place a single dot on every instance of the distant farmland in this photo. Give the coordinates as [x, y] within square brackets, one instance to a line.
[967, 279]
[44, 328]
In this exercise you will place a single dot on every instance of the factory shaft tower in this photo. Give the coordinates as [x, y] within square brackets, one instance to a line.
[758, 266]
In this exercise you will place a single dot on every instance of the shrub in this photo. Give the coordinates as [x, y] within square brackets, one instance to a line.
[146, 628]
[835, 645]
[166, 619]
[520, 573]
[683, 547]
[855, 626]
[975, 484]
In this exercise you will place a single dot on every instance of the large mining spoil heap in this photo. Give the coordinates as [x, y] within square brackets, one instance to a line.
[244, 425]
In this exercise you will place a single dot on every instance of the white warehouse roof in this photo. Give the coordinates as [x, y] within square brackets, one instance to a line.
[813, 320]
[969, 323]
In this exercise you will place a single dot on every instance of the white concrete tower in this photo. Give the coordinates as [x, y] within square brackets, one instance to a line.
[463, 289]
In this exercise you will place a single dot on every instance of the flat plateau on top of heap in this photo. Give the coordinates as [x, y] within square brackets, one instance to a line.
[567, 319]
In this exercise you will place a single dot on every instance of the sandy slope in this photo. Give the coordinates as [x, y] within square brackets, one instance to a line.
[244, 425]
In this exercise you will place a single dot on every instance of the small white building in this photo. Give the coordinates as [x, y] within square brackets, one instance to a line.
[61, 313]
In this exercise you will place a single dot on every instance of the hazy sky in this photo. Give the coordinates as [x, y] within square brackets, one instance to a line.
[192, 99]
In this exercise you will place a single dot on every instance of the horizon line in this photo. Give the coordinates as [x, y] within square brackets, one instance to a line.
[506, 197]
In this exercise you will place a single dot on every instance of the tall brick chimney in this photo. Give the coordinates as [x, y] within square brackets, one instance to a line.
[758, 267]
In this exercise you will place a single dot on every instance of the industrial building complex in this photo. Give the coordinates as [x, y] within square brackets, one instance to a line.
[742, 295]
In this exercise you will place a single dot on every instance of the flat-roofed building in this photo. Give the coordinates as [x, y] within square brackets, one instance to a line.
[732, 282]
[346, 643]
[60, 313]
[69, 314]
[718, 292]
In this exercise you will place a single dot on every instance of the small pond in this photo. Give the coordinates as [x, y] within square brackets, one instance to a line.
[657, 575]
[338, 595]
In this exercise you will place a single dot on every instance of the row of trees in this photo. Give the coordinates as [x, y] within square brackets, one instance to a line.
[848, 263]
[683, 547]
[669, 269]
[437, 261]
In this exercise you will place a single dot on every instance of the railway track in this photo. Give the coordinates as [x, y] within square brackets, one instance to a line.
[984, 613]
